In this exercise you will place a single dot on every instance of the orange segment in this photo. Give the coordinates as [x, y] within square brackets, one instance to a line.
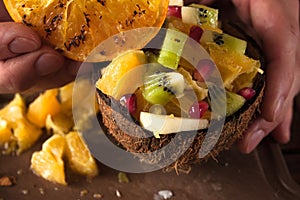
[5, 132]
[116, 70]
[76, 27]
[43, 105]
[27, 134]
[79, 156]
[233, 66]
[14, 110]
[48, 162]
[24, 132]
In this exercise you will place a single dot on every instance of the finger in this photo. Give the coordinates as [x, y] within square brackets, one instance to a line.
[261, 127]
[254, 135]
[63, 76]
[280, 53]
[282, 132]
[20, 73]
[17, 39]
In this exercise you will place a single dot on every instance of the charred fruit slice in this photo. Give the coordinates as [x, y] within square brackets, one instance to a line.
[77, 27]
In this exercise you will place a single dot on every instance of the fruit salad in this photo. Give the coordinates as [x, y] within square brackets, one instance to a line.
[166, 93]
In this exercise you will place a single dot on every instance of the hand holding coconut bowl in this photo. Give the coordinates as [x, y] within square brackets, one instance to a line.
[41, 51]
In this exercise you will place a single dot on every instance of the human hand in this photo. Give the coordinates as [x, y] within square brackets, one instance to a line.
[26, 64]
[276, 23]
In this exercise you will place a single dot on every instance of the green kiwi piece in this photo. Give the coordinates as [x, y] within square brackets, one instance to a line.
[161, 87]
[228, 41]
[172, 48]
[200, 15]
[234, 102]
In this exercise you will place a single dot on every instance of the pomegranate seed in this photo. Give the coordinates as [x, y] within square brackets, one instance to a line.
[247, 93]
[198, 109]
[129, 101]
[196, 33]
[174, 11]
[203, 70]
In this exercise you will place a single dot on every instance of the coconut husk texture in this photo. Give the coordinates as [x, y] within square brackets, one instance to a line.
[129, 135]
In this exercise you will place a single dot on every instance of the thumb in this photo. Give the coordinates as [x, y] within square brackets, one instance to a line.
[17, 39]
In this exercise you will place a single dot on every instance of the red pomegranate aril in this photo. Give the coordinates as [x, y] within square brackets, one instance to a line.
[196, 33]
[129, 101]
[203, 70]
[248, 93]
[198, 109]
[174, 11]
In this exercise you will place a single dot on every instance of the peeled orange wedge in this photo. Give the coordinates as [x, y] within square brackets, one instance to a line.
[14, 126]
[48, 163]
[118, 68]
[237, 70]
[76, 27]
[79, 156]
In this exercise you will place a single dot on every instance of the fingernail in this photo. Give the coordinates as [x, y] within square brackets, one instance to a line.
[254, 140]
[22, 45]
[48, 63]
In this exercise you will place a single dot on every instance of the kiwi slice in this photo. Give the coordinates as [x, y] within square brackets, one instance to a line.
[234, 102]
[200, 15]
[228, 41]
[161, 87]
[172, 48]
